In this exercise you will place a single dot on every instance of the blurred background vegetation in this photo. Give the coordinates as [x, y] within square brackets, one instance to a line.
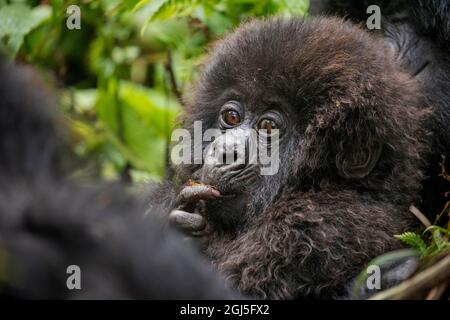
[120, 77]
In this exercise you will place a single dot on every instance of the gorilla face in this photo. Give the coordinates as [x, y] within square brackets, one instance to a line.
[246, 156]
[311, 94]
[233, 161]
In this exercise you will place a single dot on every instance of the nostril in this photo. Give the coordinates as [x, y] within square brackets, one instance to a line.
[234, 156]
[224, 158]
[230, 157]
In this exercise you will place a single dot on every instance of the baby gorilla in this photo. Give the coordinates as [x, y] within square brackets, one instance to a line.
[351, 150]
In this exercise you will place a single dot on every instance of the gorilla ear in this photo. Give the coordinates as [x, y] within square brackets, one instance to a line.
[357, 160]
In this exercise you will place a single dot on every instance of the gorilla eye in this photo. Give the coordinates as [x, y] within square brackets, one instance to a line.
[231, 118]
[268, 125]
[231, 114]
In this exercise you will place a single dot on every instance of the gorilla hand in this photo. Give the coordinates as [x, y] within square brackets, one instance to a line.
[188, 215]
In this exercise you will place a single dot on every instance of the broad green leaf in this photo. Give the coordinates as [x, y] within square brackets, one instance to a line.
[150, 7]
[107, 109]
[145, 118]
[16, 21]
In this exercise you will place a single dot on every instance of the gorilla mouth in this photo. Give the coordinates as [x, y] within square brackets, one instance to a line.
[233, 181]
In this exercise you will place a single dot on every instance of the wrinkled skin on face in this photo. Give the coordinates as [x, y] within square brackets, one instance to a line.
[350, 152]
[243, 157]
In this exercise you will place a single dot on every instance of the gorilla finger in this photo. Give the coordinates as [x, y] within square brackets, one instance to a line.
[195, 193]
[187, 221]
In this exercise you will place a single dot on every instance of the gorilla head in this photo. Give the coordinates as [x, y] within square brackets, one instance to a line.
[350, 146]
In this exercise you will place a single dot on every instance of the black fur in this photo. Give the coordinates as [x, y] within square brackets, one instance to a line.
[419, 30]
[428, 17]
[432, 17]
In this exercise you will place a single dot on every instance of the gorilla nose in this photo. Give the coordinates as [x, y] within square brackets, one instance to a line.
[230, 156]
[233, 153]
[227, 151]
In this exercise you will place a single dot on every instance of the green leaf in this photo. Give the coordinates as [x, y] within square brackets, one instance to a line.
[107, 106]
[434, 228]
[414, 240]
[145, 118]
[295, 7]
[166, 9]
[16, 21]
[151, 8]
[439, 241]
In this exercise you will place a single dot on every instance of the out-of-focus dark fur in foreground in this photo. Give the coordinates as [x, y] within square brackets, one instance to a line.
[48, 222]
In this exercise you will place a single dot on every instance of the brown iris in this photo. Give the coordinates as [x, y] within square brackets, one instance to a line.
[268, 125]
[231, 117]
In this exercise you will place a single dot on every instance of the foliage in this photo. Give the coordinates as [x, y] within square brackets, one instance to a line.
[436, 241]
[430, 278]
[120, 76]
[430, 246]
[414, 240]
